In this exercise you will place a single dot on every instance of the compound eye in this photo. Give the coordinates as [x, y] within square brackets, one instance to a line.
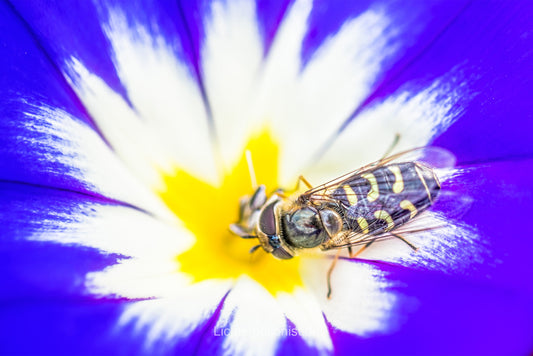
[303, 228]
[282, 254]
[267, 220]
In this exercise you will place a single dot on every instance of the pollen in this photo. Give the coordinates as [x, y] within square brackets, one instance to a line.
[207, 211]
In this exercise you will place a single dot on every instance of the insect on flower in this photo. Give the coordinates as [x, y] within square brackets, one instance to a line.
[379, 201]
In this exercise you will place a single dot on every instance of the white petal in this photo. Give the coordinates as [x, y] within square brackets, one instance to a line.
[251, 320]
[135, 143]
[138, 278]
[308, 105]
[360, 302]
[417, 117]
[302, 308]
[303, 106]
[164, 322]
[152, 270]
[231, 59]
[116, 229]
[167, 124]
[453, 247]
[236, 81]
[87, 158]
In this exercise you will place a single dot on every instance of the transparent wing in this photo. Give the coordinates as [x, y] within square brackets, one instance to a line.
[449, 206]
[433, 157]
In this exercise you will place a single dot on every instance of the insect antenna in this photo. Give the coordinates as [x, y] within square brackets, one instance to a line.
[253, 249]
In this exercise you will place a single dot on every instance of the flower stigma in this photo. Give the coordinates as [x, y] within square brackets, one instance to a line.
[207, 211]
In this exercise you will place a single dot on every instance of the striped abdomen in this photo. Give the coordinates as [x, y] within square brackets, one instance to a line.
[382, 199]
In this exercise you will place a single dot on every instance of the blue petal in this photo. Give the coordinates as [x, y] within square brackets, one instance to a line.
[32, 275]
[212, 342]
[399, 34]
[501, 193]
[420, 22]
[85, 327]
[417, 24]
[64, 327]
[91, 48]
[70, 30]
[269, 13]
[489, 44]
[27, 80]
[27, 72]
[485, 309]
[443, 315]
[293, 344]
[81, 34]
[47, 138]
[36, 267]
[88, 327]
[493, 40]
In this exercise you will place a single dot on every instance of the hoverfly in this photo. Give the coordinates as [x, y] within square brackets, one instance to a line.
[359, 208]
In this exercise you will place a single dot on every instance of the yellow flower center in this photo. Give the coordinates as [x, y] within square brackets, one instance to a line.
[207, 211]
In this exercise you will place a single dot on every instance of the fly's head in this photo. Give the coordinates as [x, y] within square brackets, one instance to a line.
[259, 218]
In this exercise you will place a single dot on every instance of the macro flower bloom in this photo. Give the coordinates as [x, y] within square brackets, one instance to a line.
[123, 156]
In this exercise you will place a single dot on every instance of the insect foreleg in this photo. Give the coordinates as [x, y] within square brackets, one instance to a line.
[305, 181]
[301, 179]
[281, 194]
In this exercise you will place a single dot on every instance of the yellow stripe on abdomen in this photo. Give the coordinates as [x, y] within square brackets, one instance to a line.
[363, 224]
[350, 194]
[407, 205]
[383, 215]
[397, 187]
[373, 194]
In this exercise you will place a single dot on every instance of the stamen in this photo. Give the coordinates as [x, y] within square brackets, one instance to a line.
[251, 168]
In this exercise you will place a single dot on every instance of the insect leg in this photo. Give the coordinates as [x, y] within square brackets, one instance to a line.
[330, 270]
[353, 255]
[405, 240]
[305, 181]
[281, 194]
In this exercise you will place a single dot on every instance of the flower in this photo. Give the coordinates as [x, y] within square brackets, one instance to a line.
[125, 128]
